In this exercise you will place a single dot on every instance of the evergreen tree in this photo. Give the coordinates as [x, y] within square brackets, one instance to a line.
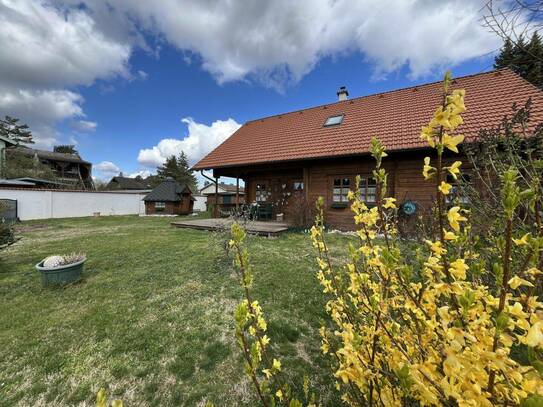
[19, 133]
[178, 168]
[66, 149]
[535, 54]
[526, 59]
[506, 56]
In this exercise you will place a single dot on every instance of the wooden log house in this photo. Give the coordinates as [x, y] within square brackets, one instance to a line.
[291, 159]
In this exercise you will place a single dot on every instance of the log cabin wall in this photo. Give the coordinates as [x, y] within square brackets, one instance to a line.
[405, 182]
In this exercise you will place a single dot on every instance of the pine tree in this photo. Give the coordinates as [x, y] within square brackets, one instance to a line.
[18, 133]
[534, 53]
[506, 56]
[66, 149]
[178, 168]
[526, 59]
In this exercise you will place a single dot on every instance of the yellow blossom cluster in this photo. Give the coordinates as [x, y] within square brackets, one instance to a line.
[421, 326]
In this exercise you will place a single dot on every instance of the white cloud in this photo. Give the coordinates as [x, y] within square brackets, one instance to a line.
[200, 140]
[143, 75]
[44, 46]
[281, 41]
[40, 109]
[142, 173]
[107, 168]
[44, 49]
[84, 126]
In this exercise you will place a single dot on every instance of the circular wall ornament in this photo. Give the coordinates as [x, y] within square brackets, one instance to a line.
[409, 207]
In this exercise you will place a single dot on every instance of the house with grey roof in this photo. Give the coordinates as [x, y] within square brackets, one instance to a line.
[127, 184]
[69, 169]
[169, 198]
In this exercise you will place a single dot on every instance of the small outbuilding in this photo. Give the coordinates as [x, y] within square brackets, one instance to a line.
[169, 198]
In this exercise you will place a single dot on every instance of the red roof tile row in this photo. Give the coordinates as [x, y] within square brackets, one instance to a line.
[394, 117]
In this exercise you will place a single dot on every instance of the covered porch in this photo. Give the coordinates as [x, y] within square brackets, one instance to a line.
[274, 192]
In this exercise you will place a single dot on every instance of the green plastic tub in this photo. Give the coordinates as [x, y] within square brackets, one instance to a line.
[62, 275]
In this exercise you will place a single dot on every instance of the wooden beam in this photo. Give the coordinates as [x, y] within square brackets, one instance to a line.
[306, 183]
[237, 194]
[216, 207]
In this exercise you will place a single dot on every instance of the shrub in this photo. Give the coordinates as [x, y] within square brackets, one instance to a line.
[450, 322]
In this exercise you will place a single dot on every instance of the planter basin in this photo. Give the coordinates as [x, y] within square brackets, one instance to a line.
[61, 275]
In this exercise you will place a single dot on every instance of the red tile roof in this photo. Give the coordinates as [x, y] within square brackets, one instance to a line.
[394, 117]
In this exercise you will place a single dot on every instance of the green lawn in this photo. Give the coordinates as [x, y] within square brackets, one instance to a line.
[152, 321]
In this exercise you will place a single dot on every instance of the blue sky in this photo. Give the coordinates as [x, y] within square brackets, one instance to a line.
[130, 85]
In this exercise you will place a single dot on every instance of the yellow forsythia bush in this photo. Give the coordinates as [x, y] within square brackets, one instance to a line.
[446, 323]
[420, 326]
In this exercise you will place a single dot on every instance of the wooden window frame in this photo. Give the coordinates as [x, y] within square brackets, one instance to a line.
[344, 189]
[364, 187]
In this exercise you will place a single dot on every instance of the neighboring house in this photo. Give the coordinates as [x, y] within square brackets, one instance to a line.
[200, 202]
[169, 198]
[227, 196]
[68, 169]
[126, 184]
[4, 143]
[320, 150]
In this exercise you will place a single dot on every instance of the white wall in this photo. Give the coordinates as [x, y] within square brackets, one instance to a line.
[199, 203]
[45, 204]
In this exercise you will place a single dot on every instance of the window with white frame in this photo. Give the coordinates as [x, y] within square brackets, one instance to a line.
[160, 205]
[368, 190]
[340, 190]
[297, 185]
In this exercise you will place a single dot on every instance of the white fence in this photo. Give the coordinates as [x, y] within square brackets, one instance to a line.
[46, 204]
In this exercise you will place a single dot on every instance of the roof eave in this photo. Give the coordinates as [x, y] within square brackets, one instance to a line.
[314, 158]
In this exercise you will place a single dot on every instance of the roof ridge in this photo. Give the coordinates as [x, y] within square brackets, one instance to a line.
[494, 71]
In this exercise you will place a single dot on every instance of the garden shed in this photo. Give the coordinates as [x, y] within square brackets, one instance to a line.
[169, 198]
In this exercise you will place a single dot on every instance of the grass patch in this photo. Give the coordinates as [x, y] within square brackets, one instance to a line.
[152, 320]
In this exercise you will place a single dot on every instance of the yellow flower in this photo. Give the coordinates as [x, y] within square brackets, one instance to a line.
[454, 169]
[445, 188]
[265, 340]
[389, 203]
[276, 365]
[456, 100]
[454, 217]
[522, 241]
[516, 282]
[448, 235]
[458, 269]
[427, 170]
[455, 120]
[279, 394]
[451, 142]
[267, 372]
[535, 335]
[441, 117]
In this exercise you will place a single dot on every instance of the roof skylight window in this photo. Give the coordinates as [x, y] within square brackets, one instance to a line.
[333, 120]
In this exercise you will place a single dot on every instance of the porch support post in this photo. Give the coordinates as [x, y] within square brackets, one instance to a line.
[306, 183]
[237, 194]
[216, 207]
[306, 194]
